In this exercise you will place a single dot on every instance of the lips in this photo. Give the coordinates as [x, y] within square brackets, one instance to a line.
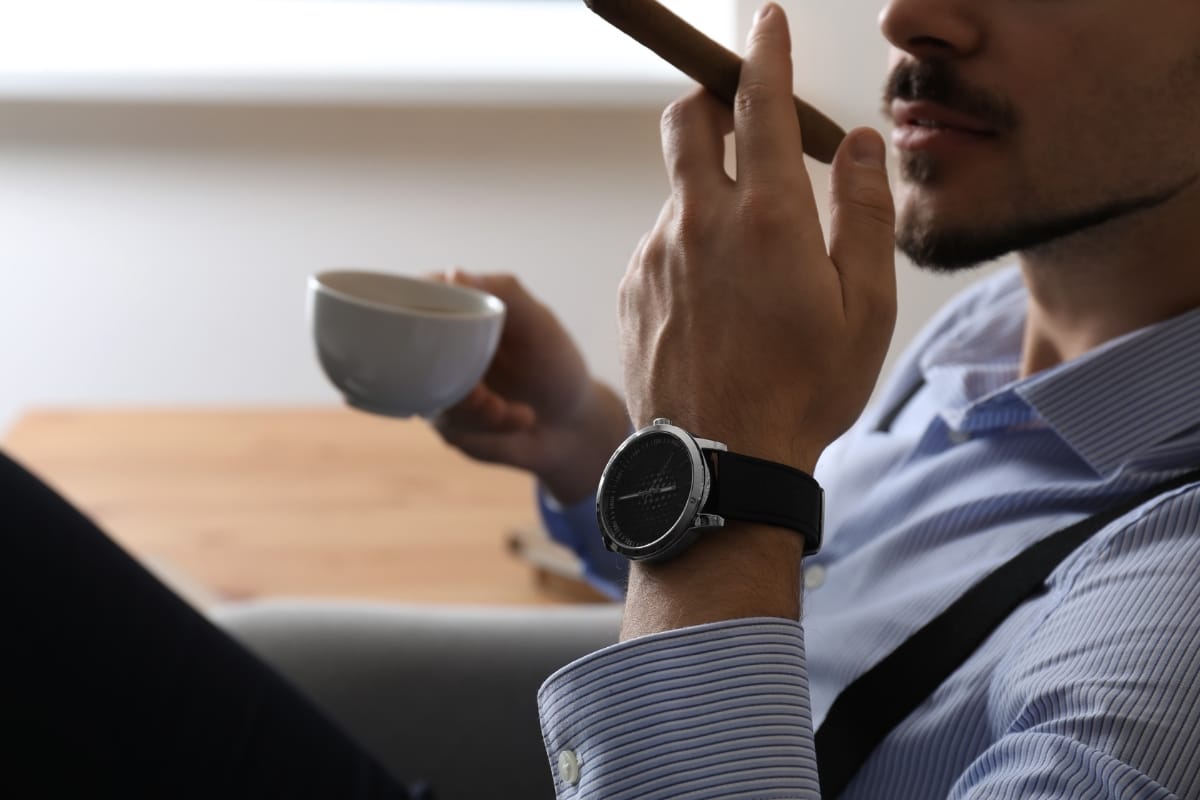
[923, 125]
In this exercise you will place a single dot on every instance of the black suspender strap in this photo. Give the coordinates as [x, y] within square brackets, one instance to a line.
[880, 699]
[889, 417]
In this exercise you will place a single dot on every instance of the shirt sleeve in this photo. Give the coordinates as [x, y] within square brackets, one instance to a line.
[575, 526]
[713, 711]
[1100, 700]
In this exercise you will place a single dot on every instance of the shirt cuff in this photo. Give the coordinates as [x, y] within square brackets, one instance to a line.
[717, 710]
[575, 526]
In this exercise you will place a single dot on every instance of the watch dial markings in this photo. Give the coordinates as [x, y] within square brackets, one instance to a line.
[649, 488]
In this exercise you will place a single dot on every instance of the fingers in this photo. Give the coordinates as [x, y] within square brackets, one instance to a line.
[487, 428]
[693, 137]
[506, 287]
[484, 411]
[526, 315]
[765, 122]
[862, 235]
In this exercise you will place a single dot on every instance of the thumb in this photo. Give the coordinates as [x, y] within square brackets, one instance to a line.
[508, 288]
[862, 236]
[460, 277]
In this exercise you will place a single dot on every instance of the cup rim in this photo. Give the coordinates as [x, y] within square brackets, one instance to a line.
[494, 306]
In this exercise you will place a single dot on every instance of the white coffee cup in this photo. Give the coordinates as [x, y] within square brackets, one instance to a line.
[398, 345]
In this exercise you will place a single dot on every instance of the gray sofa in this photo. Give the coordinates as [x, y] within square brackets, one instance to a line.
[445, 695]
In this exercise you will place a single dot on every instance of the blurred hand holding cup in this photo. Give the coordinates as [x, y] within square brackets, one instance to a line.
[398, 345]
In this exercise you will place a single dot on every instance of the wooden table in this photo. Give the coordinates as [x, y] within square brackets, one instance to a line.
[323, 502]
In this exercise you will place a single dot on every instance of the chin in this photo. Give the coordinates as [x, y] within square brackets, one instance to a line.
[941, 242]
[940, 230]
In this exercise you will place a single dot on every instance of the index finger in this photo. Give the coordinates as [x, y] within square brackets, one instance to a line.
[767, 131]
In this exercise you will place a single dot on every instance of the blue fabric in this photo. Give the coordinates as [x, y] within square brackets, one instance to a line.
[1089, 690]
[576, 527]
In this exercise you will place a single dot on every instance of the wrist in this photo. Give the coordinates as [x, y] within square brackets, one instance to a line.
[739, 571]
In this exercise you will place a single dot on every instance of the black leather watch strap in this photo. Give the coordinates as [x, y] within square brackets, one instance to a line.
[754, 490]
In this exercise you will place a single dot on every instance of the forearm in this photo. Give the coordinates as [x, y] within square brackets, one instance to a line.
[742, 570]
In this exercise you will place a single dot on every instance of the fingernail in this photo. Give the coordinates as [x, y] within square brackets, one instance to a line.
[867, 150]
[762, 13]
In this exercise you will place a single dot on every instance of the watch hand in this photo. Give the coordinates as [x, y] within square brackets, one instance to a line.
[667, 466]
[644, 492]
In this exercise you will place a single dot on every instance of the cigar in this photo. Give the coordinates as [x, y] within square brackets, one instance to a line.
[707, 62]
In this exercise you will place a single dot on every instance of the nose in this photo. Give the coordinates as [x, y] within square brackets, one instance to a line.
[932, 28]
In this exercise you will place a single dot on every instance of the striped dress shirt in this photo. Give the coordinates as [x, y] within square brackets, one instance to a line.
[1090, 689]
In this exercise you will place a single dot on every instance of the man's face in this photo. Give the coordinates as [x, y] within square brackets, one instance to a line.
[1018, 122]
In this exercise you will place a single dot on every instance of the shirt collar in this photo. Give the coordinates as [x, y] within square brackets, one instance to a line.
[1113, 405]
[1124, 399]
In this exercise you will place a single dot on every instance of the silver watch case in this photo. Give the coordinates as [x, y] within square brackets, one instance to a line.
[691, 521]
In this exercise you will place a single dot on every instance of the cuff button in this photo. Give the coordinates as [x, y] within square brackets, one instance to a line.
[568, 767]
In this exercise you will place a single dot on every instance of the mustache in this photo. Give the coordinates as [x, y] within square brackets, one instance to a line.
[937, 81]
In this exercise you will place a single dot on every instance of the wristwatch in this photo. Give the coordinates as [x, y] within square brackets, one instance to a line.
[663, 487]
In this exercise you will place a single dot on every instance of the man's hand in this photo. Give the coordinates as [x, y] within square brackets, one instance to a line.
[736, 322]
[537, 407]
[739, 324]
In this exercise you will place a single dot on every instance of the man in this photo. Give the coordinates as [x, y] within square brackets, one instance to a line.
[1063, 132]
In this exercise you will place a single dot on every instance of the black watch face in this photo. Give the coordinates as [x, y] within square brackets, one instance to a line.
[647, 488]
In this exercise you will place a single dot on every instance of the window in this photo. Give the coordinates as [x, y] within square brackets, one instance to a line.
[478, 51]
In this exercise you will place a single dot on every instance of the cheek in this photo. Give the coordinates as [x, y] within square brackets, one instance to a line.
[1055, 77]
[1063, 84]
[1104, 128]
[1112, 79]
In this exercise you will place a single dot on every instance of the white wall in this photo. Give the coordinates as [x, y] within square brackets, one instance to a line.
[156, 255]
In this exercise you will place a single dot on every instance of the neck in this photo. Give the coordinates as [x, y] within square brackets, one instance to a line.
[1098, 284]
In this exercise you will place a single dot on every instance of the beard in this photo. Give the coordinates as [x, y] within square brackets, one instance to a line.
[946, 249]
[932, 243]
